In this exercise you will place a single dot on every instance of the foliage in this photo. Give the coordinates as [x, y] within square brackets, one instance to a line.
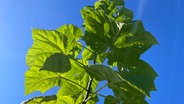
[58, 58]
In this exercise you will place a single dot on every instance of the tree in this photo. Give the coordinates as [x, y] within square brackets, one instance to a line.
[113, 45]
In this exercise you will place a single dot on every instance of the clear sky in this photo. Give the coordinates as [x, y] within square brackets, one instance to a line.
[163, 18]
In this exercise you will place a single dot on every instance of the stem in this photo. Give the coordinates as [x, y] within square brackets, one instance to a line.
[88, 91]
[96, 92]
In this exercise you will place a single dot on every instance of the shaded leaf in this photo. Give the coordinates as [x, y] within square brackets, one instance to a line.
[110, 100]
[115, 9]
[101, 72]
[99, 30]
[124, 93]
[57, 62]
[140, 74]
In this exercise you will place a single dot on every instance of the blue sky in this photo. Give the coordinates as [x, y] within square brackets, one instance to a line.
[163, 18]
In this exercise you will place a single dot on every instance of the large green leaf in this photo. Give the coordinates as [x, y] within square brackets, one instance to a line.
[96, 30]
[124, 90]
[126, 94]
[57, 62]
[132, 41]
[36, 80]
[140, 74]
[72, 34]
[50, 47]
[47, 42]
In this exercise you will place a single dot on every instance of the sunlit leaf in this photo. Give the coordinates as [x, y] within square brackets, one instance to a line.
[77, 91]
[65, 100]
[48, 42]
[36, 80]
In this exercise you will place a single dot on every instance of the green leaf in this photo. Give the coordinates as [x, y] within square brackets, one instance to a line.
[88, 54]
[100, 30]
[95, 34]
[72, 34]
[110, 100]
[101, 72]
[57, 62]
[48, 42]
[132, 41]
[115, 9]
[65, 100]
[127, 94]
[140, 74]
[36, 80]
[50, 47]
[42, 100]
[77, 91]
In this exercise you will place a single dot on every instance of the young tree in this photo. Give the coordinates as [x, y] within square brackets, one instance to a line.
[113, 46]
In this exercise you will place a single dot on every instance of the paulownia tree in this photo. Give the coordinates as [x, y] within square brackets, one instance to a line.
[111, 52]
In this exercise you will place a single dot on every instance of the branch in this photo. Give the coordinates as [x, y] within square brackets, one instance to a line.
[88, 91]
[86, 98]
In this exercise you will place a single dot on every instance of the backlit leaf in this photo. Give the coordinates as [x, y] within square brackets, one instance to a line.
[77, 91]
[36, 80]
[48, 42]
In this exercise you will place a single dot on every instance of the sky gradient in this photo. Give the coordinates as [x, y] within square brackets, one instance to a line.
[163, 18]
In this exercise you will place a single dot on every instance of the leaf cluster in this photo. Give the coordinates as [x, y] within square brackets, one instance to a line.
[58, 58]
